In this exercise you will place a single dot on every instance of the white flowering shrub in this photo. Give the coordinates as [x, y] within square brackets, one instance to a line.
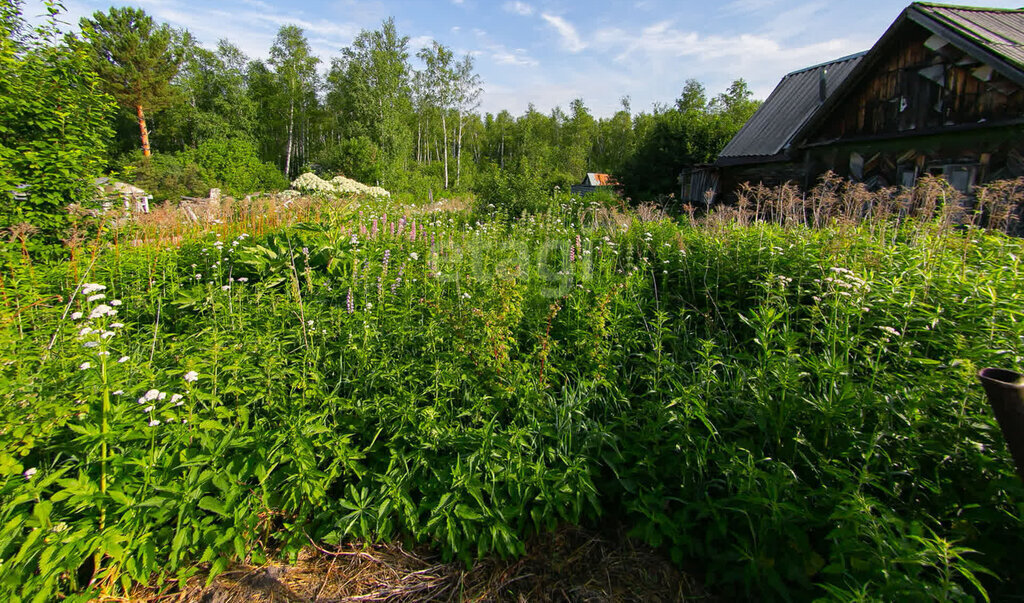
[339, 185]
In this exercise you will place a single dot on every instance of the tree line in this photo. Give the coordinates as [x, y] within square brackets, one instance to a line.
[176, 117]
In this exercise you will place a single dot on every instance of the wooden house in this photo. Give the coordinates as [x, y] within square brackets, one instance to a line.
[941, 92]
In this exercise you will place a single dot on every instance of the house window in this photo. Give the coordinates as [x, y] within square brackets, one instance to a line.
[961, 177]
[908, 177]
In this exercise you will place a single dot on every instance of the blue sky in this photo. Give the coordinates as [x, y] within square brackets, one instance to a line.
[550, 52]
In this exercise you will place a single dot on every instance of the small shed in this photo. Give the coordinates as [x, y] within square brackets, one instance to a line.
[593, 182]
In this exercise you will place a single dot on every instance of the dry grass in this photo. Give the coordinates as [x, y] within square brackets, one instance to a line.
[568, 565]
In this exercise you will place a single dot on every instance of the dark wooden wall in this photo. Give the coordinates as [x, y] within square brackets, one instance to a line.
[915, 88]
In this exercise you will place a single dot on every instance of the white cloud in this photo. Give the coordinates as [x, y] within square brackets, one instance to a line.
[519, 8]
[419, 42]
[568, 36]
[517, 57]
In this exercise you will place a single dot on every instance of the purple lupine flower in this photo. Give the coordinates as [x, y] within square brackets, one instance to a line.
[380, 285]
[401, 225]
[387, 258]
[349, 302]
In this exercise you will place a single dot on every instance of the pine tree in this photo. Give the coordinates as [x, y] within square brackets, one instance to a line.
[135, 59]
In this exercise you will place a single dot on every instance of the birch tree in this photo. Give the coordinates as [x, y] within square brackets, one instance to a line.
[439, 88]
[295, 68]
[467, 90]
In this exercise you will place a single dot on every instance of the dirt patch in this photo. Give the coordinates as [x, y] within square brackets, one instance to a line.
[568, 565]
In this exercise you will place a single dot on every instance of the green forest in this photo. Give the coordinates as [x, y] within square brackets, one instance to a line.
[155, 107]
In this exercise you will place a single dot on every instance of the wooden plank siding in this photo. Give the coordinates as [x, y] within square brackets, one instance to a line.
[900, 98]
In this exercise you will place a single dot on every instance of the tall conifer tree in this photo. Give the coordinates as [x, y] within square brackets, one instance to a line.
[136, 60]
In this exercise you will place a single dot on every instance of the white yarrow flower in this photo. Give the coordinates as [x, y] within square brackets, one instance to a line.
[76, 315]
[96, 297]
[148, 408]
[123, 359]
[191, 376]
[154, 422]
[101, 310]
[115, 302]
[175, 398]
[30, 472]
[84, 366]
[90, 288]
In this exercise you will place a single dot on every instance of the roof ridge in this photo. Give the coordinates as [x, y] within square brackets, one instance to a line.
[848, 57]
[977, 9]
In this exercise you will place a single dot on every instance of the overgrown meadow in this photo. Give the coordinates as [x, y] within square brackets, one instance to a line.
[789, 409]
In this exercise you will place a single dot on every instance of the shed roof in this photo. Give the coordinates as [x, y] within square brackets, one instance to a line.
[770, 131]
[596, 179]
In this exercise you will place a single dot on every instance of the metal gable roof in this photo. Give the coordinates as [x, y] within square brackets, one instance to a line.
[999, 30]
[769, 132]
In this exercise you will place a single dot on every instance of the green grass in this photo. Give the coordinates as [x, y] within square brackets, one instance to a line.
[793, 410]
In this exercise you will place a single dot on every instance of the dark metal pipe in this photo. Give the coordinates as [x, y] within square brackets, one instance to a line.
[1005, 390]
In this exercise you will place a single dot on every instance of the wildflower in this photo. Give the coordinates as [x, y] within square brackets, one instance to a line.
[96, 297]
[101, 311]
[149, 395]
[84, 366]
[415, 256]
[162, 395]
[154, 422]
[30, 472]
[243, 279]
[148, 408]
[191, 376]
[107, 334]
[115, 302]
[90, 288]
[84, 331]
[349, 304]
[466, 295]
[117, 325]
[123, 359]
[890, 331]
[76, 315]
[117, 392]
[225, 288]
[369, 306]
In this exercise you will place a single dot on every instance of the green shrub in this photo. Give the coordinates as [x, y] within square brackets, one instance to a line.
[233, 166]
[166, 176]
[509, 193]
[54, 123]
[356, 158]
